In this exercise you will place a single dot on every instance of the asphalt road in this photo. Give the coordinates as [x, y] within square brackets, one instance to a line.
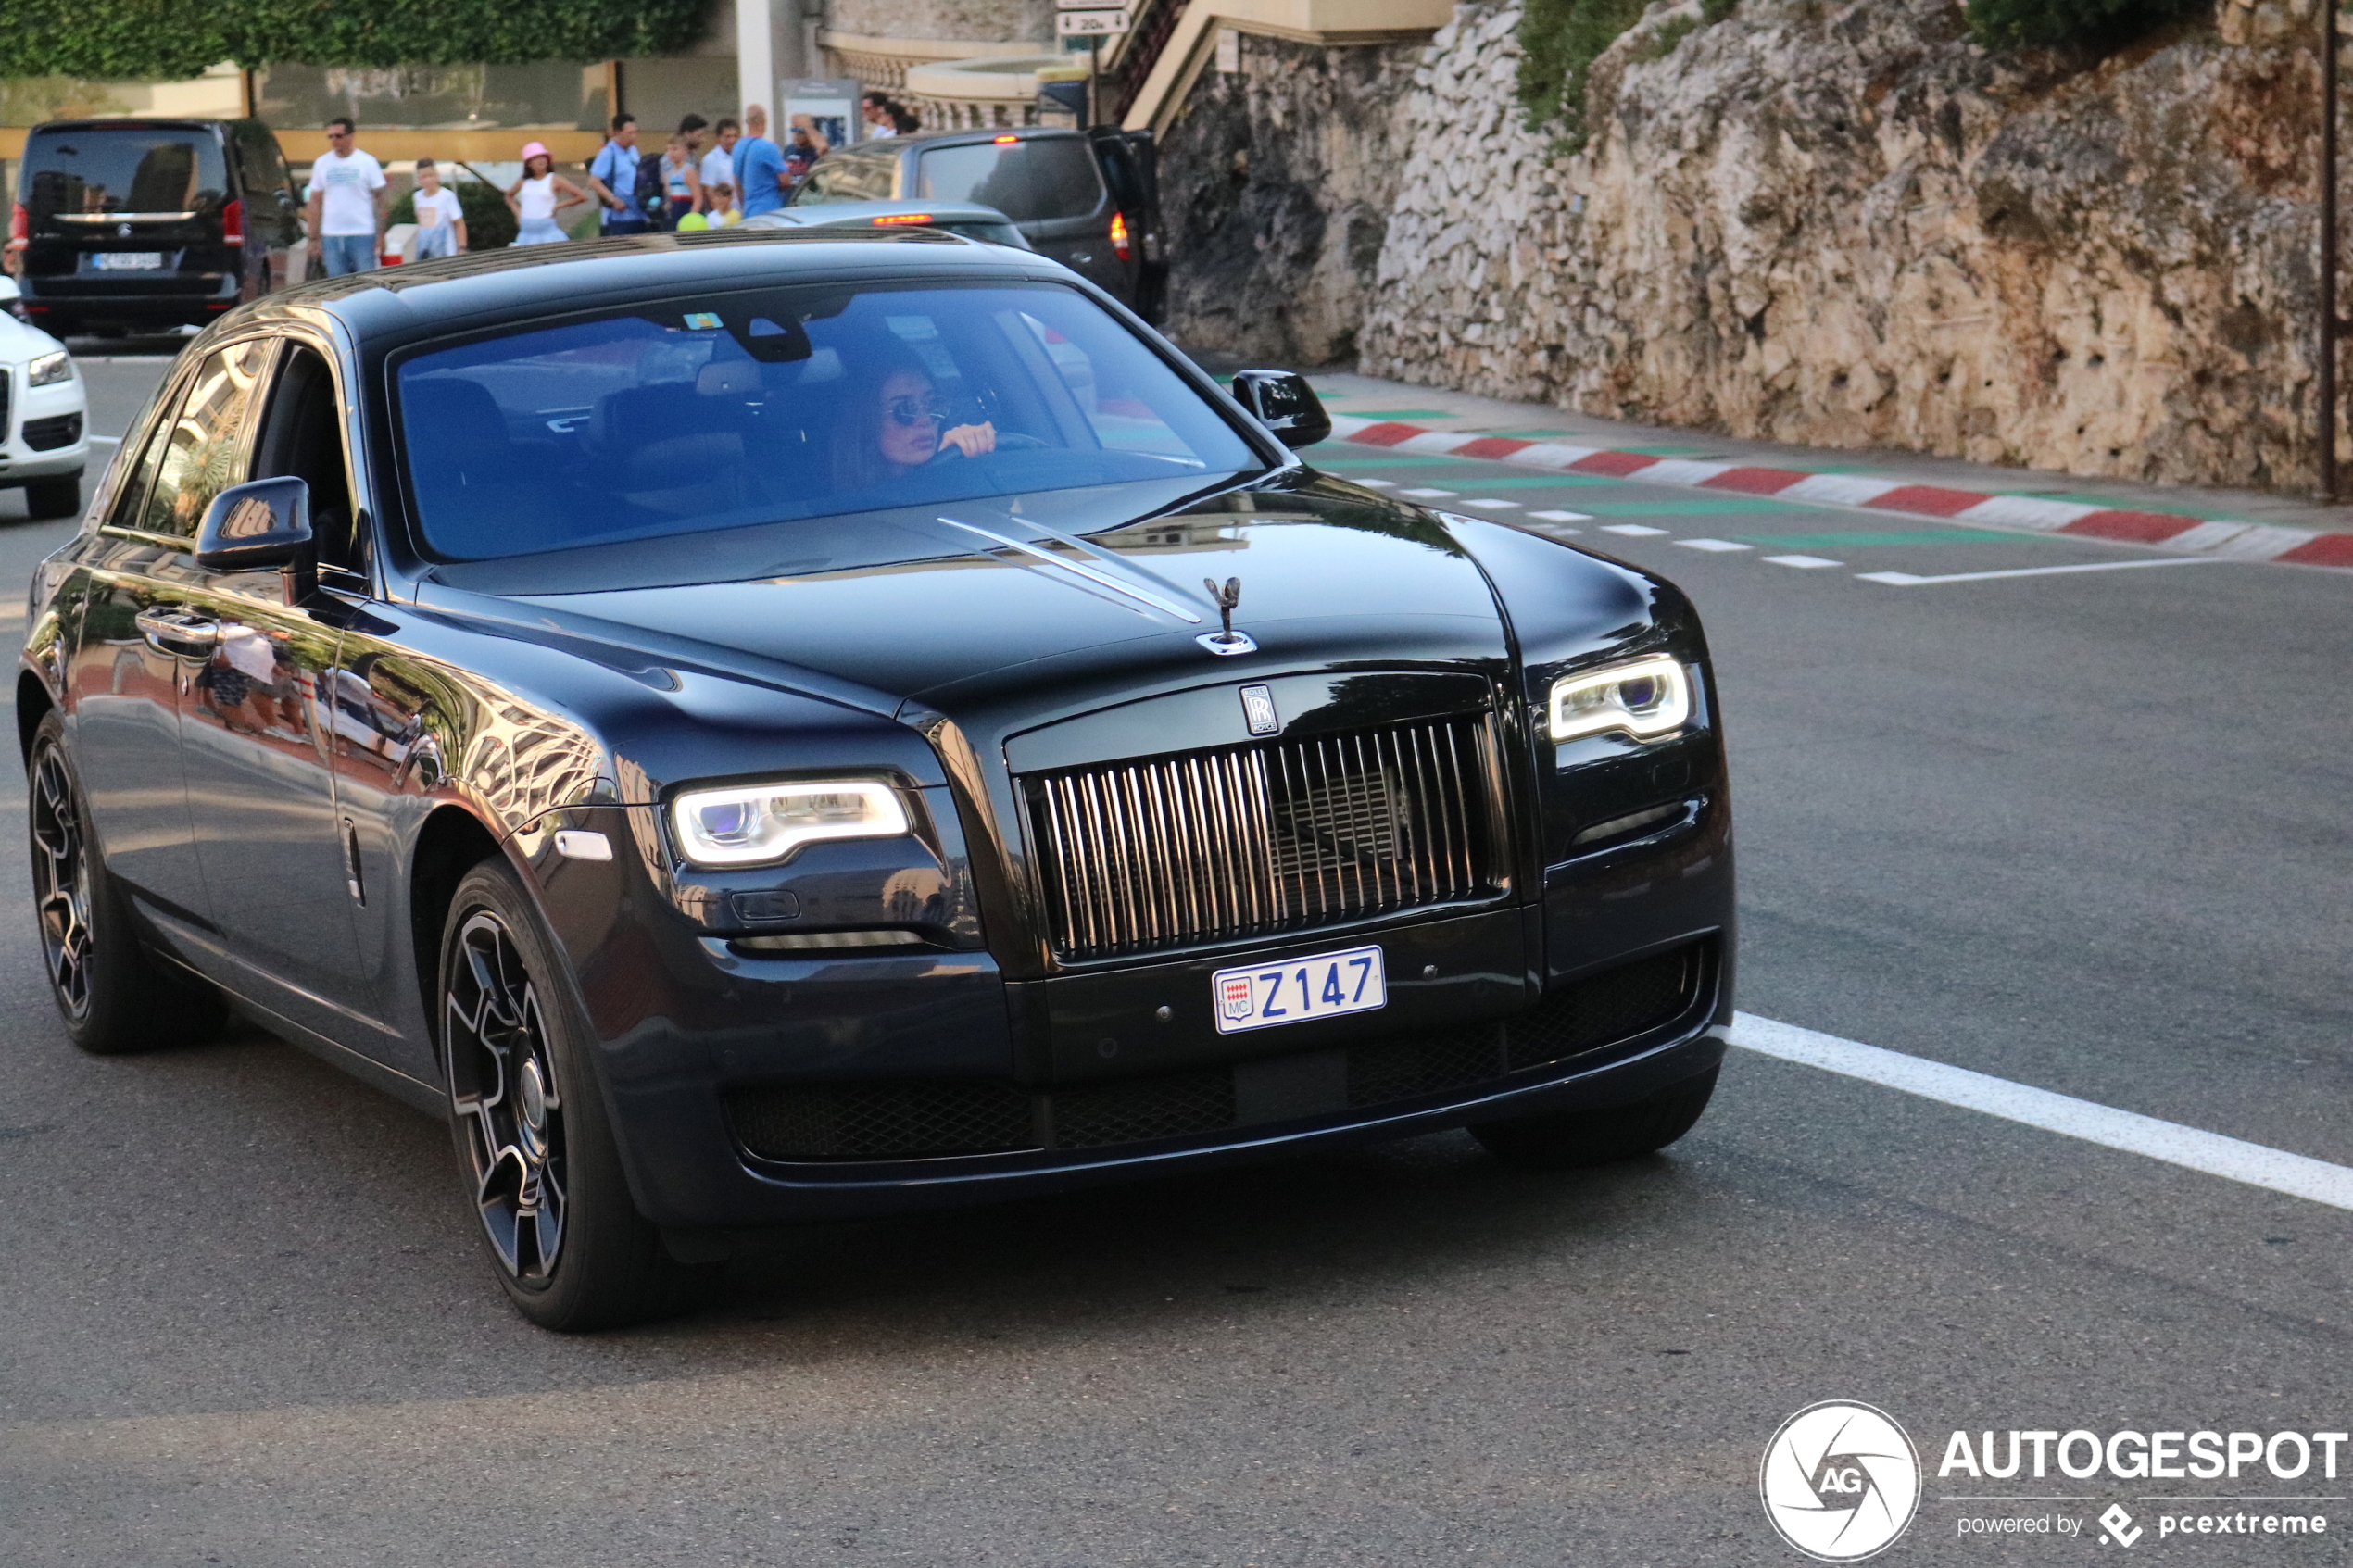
[2082, 831]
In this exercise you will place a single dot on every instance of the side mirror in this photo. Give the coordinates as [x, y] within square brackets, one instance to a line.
[1285, 403]
[257, 526]
[9, 293]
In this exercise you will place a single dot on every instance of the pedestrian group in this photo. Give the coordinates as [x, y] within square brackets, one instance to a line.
[704, 176]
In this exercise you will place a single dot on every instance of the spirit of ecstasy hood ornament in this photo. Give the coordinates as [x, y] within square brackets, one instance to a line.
[1230, 642]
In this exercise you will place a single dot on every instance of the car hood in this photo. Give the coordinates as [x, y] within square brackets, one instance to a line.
[19, 342]
[960, 604]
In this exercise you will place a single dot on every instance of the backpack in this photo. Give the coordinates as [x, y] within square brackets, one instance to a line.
[650, 196]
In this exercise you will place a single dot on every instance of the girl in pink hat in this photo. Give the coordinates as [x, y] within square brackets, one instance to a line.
[533, 197]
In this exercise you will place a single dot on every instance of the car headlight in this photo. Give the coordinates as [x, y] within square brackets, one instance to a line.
[49, 369]
[1645, 698]
[759, 824]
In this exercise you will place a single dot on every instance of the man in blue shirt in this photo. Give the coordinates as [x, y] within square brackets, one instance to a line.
[759, 166]
[613, 174]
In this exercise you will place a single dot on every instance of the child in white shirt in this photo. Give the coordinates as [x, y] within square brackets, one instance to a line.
[441, 218]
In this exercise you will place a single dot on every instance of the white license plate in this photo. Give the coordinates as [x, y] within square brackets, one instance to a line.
[1262, 996]
[129, 260]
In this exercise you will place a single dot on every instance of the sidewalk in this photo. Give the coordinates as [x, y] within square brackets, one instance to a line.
[2249, 524]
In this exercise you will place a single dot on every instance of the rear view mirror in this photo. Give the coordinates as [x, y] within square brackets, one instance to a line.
[1285, 403]
[9, 293]
[257, 526]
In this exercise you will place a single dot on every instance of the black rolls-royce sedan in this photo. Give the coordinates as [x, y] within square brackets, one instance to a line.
[762, 727]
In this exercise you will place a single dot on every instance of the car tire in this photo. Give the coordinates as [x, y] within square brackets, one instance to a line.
[114, 995]
[46, 498]
[1566, 1140]
[535, 1143]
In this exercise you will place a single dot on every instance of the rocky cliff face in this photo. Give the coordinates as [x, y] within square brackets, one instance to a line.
[1277, 184]
[1847, 225]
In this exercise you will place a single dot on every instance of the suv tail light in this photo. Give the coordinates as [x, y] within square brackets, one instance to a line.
[19, 227]
[1119, 247]
[233, 224]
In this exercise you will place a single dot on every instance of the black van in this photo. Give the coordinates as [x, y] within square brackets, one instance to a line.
[140, 224]
[1090, 199]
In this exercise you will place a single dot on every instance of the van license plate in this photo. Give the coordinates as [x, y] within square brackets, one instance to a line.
[1262, 996]
[129, 260]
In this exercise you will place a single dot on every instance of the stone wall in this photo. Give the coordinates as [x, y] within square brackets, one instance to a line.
[1277, 183]
[1846, 225]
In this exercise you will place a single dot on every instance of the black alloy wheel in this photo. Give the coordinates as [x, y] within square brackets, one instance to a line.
[537, 1155]
[1564, 1140]
[503, 1091]
[61, 882]
[114, 996]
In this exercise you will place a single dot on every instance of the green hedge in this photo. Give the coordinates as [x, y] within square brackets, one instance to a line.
[2026, 23]
[169, 40]
[489, 223]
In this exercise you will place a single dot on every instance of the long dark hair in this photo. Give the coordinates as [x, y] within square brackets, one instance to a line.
[858, 462]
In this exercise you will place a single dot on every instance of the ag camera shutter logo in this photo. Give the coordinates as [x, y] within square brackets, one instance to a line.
[1841, 1481]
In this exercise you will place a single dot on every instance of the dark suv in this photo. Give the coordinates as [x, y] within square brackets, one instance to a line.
[138, 224]
[1089, 199]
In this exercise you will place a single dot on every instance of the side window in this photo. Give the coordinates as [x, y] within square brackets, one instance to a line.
[200, 451]
[302, 438]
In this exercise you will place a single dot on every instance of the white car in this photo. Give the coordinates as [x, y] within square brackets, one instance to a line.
[44, 419]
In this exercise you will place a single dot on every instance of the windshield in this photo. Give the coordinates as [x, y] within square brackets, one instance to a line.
[122, 169]
[1027, 180]
[736, 410]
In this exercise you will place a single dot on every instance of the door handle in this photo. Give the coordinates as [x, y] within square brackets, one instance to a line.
[177, 631]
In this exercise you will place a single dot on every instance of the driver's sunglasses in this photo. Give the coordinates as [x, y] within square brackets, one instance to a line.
[914, 412]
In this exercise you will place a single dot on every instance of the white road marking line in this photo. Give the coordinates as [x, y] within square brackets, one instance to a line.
[1492, 503]
[1564, 517]
[1379, 483]
[1715, 547]
[1632, 530]
[107, 440]
[1428, 494]
[1905, 580]
[2231, 1158]
[1802, 563]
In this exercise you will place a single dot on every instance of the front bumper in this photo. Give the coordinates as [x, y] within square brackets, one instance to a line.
[1075, 1080]
[39, 413]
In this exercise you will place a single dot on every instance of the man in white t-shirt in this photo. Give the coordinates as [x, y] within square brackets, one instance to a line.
[346, 205]
[719, 168]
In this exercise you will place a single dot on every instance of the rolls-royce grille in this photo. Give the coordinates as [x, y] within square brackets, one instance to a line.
[1167, 852]
[909, 1119]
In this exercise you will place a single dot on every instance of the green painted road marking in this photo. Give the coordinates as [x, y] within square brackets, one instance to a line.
[1695, 508]
[1401, 414]
[1352, 461]
[1568, 481]
[1853, 541]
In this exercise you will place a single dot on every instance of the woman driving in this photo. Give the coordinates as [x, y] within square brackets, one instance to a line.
[897, 423]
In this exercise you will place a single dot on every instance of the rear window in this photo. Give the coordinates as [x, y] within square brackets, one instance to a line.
[1048, 177]
[122, 169]
[839, 179]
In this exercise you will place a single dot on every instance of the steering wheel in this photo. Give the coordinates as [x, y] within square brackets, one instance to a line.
[1007, 440]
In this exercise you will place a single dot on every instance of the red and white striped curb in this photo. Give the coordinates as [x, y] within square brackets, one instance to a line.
[2248, 541]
